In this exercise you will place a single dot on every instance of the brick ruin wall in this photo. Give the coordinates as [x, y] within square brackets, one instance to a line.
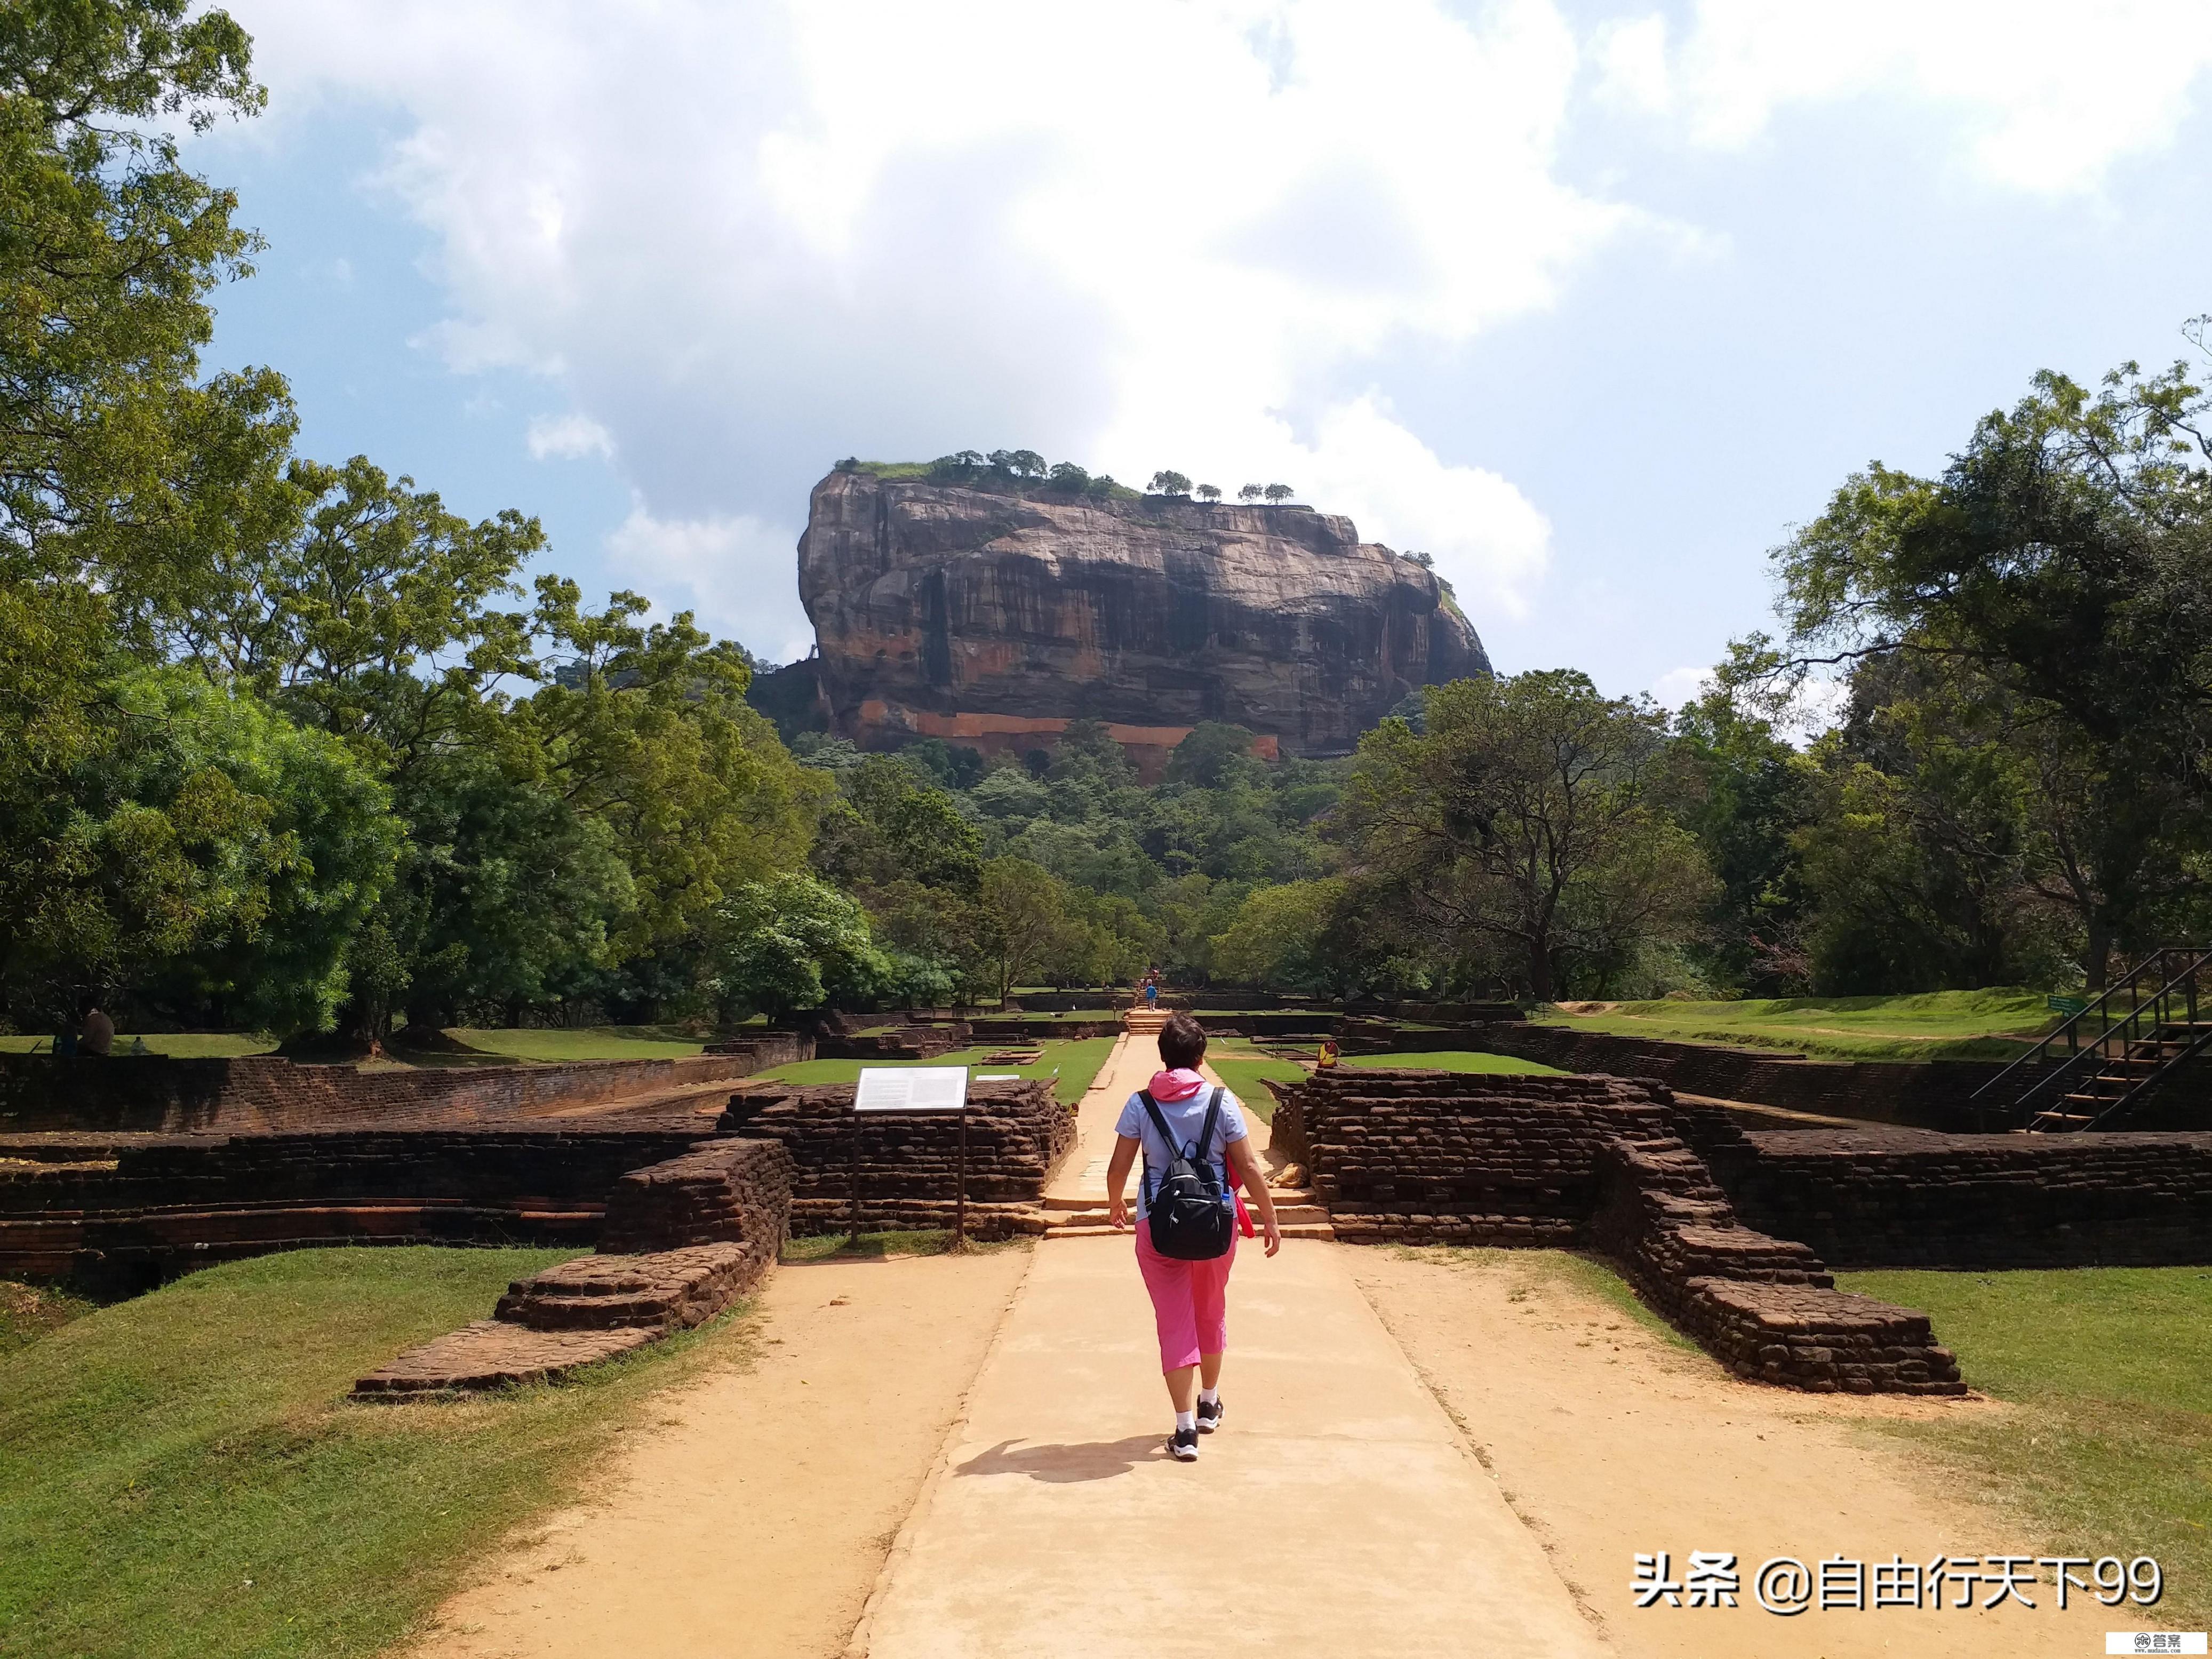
[908, 1042]
[124, 1214]
[1908, 1198]
[718, 1190]
[1933, 1093]
[121, 1212]
[1435, 1158]
[1419, 1157]
[154, 1094]
[683, 1240]
[1017, 1133]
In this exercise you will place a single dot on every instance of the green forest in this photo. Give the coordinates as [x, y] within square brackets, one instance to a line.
[287, 745]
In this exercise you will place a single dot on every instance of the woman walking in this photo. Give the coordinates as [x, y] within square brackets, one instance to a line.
[1192, 1136]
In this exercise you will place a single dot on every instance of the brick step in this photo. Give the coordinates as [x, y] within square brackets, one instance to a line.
[1288, 1215]
[1100, 1229]
[1283, 1195]
[591, 1313]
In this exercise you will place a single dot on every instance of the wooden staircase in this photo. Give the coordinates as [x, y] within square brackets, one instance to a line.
[2105, 1058]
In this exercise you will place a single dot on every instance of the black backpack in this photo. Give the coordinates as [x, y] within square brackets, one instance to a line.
[1190, 1220]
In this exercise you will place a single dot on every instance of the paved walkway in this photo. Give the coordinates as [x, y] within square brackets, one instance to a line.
[1128, 1067]
[1338, 1512]
[1083, 1173]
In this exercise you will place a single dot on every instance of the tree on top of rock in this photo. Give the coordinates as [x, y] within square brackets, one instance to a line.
[1209, 492]
[1169, 484]
[1251, 492]
[1279, 492]
[1021, 463]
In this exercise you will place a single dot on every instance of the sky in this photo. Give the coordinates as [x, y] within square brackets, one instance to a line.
[1591, 302]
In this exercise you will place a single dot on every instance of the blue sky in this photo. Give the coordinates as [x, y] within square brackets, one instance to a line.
[1591, 302]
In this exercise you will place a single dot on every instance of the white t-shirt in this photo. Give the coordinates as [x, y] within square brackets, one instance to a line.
[1185, 1118]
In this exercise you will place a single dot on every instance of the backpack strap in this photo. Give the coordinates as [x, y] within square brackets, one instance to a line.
[1144, 1177]
[1206, 1134]
[1167, 1136]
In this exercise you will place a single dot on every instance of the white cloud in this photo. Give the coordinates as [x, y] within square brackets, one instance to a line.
[746, 240]
[2048, 95]
[742, 238]
[569, 438]
[690, 564]
[1630, 55]
[1680, 685]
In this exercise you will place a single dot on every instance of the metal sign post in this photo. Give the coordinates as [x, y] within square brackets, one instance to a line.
[917, 1089]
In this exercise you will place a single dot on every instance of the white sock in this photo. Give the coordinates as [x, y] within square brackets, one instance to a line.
[1209, 1397]
[1186, 1420]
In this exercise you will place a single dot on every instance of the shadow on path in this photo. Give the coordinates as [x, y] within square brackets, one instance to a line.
[1088, 1460]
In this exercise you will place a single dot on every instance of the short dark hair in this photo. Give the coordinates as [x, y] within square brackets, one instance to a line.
[1183, 1042]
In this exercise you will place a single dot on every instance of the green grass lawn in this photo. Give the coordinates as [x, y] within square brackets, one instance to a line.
[182, 1477]
[2110, 1449]
[1457, 1060]
[28, 1312]
[584, 1043]
[1245, 1068]
[1078, 1060]
[179, 1045]
[1994, 1025]
[926, 1241]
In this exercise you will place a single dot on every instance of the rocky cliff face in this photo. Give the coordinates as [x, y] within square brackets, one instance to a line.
[993, 619]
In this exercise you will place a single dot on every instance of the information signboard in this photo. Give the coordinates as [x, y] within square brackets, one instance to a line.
[911, 1089]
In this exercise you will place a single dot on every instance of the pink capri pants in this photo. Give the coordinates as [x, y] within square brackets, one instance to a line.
[1190, 1301]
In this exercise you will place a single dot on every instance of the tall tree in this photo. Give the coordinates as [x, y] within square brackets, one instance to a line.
[1525, 817]
[119, 468]
[206, 851]
[2059, 572]
[1746, 794]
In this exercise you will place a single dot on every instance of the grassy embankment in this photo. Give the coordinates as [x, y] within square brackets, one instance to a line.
[1077, 1060]
[182, 1476]
[1993, 1024]
[179, 1045]
[28, 1312]
[2110, 1449]
[581, 1042]
[1246, 1068]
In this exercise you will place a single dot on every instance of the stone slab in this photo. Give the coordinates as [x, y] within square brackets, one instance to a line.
[490, 1353]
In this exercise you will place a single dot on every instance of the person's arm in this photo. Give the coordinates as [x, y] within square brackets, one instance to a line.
[1117, 1172]
[1256, 1182]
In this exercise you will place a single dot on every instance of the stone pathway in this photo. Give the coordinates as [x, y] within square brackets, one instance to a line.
[1077, 1196]
[1338, 1511]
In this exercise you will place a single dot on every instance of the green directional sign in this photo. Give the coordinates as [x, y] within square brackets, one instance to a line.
[2067, 1005]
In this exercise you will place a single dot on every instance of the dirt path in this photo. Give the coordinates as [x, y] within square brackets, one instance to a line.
[751, 1514]
[1609, 1442]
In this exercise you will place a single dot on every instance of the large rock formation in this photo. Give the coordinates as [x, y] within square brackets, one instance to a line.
[992, 618]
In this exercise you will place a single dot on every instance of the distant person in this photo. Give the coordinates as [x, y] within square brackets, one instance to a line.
[97, 1036]
[1151, 994]
[1329, 1054]
[1192, 1136]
